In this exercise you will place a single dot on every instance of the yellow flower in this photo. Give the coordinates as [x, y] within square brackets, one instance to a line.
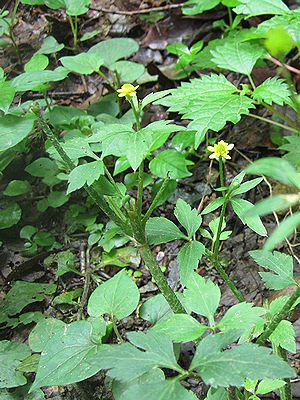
[220, 149]
[127, 90]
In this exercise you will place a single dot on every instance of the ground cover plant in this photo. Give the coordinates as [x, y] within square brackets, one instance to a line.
[125, 286]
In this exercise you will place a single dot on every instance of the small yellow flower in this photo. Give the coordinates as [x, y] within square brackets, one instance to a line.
[127, 90]
[220, 149]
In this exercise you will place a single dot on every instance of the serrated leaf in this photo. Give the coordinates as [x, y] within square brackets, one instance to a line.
[261, 7]
[150, 98]
[162, 230]
[202, 296]
[189, 218]
[137, 146]
[241, 207]
[11, 354]
[231, 367]
[279, 263]
[241, 315]
[181, 328]
[293, 150]
[284, 336]
[118, 297]
[167, 390]
[272, 90]
[237, 56]
[209, 102]
[169, 163]
[188, 259]
[283, 231]
[85, 174]
[68, 357]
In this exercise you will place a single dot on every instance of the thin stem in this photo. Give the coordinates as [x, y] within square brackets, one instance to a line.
[280, 115]
[279, 317]
[221, 172]
[73, 28]
[251, 82]
[151, 264]
[116, 330]
[112, 181]
[215, 245]
[269, 121]
[139, 202]
[230, 17]
[86, 286]
[156, 200]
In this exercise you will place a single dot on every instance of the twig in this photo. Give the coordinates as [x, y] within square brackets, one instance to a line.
[142, 11]
[280, 64]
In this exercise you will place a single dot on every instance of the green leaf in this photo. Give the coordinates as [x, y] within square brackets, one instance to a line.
[202, 296]
[11, 354]
[167, 390]
[181, 328]
[217, 394]
[261, 7]
[43, 332]
[112, 50]
[283, 231]
[273, 204]
[246, 186]
[118, 297]
[128, 71]
[50, 45]
[276, 168]
[57, 199]
[137, 145]
[269, 385]
[7, 95]
[161, 230]
[237, 56]
[83, 63]
[242, 315]
[68, 357]
[24, 293]
[13, 129]
[85, 174]
[17, 188]
[77, 7]
[34, 79]
[10, 215]
[89, 35]
[42, 167]
[38, 62]
[150, 98]
[231, 367]
[210, 102]
[155, 309]
[188, 259]
[241, 207]
[214, 205]
[27, 232]
[169, 163]
[193, 7]
[68, 297]
[284, 336]
[279, 263]
[189, 218]
[272, 90]
[293, 151]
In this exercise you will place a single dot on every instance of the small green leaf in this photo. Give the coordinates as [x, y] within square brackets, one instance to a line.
[42, 167]
[189, 218]
[11, 354]
[202, 296]
[89, 35]
[161, 230]
[273, 204]
[188, 259]
[38, 62]
[181, 328]
[284, 336]
[169, 163]
[246, 186]
[241, 207]
[77, 7]
[13, 129]
[83, 63]
[242, 315]
[155, 309]
[280, 264]
[50, 46]
[85, 174]
[128, 71]
[17, 188]
[117, 297]
[193, 7]
[10, 215]
[272, 90]
[7, 95]
[214, 205]
[269, 385]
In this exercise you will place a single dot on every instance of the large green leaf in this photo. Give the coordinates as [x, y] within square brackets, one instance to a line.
[280, 264]
[112, 50]
[237, 56]
[169, 163]
[181, 328]
[241, 207]
[188, 259]
[11, 355]
[76, 7]
[118, 297]
[210, 102]
[13, 129]
[34, 79]
[10, 215]
[162, 230]
[7, 95]
[202, 296]
[261, 7]
[43, 332]
[128, 71]
[189, 218]
[68, 357]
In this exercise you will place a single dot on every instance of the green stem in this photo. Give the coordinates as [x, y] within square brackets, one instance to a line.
[156, 200]
[251, 82]
[151, 264]
[139, 202]
[230, 17]
[215, 245]
[280, 115]
[269, 121]
[221, 172]
[116, 330]
[279, 317]
[74, 31]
